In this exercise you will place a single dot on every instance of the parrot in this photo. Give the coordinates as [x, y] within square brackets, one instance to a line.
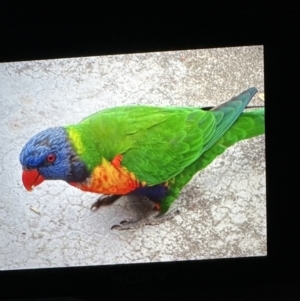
[145, 151]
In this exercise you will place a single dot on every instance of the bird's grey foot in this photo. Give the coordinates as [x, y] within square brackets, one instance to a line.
[105, 200]
[154, 219]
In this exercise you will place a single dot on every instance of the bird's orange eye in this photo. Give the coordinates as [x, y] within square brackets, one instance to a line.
[51, 158]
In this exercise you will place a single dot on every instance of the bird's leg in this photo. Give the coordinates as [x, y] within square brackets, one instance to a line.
[105, 200]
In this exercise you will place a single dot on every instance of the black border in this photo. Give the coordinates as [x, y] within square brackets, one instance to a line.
[45, 29]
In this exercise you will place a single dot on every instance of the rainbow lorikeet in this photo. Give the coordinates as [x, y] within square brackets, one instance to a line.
[147, 151]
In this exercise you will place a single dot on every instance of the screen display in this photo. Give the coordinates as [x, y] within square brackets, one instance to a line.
[219, 213]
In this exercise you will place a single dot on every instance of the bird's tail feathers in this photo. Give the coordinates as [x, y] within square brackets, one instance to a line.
[227, 113]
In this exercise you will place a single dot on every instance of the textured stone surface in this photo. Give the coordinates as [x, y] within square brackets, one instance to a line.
[223, 209]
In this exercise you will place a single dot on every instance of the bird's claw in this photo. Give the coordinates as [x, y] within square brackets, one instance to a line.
[128, 224]
[142, 221]
[105, 200]
[96, 205]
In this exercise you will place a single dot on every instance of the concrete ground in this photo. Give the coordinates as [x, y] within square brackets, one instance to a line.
[222, 210]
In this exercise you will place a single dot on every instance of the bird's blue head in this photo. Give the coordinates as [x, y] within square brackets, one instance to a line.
[49, 155]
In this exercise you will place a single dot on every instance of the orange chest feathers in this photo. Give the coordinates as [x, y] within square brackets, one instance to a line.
[110, 178]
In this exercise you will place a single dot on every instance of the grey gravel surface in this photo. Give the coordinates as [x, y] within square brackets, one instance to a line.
[222, 210]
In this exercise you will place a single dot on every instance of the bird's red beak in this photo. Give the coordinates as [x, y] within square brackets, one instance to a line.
[31, 178]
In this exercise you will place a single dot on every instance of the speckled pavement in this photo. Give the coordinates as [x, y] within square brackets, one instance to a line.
[222, 210]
